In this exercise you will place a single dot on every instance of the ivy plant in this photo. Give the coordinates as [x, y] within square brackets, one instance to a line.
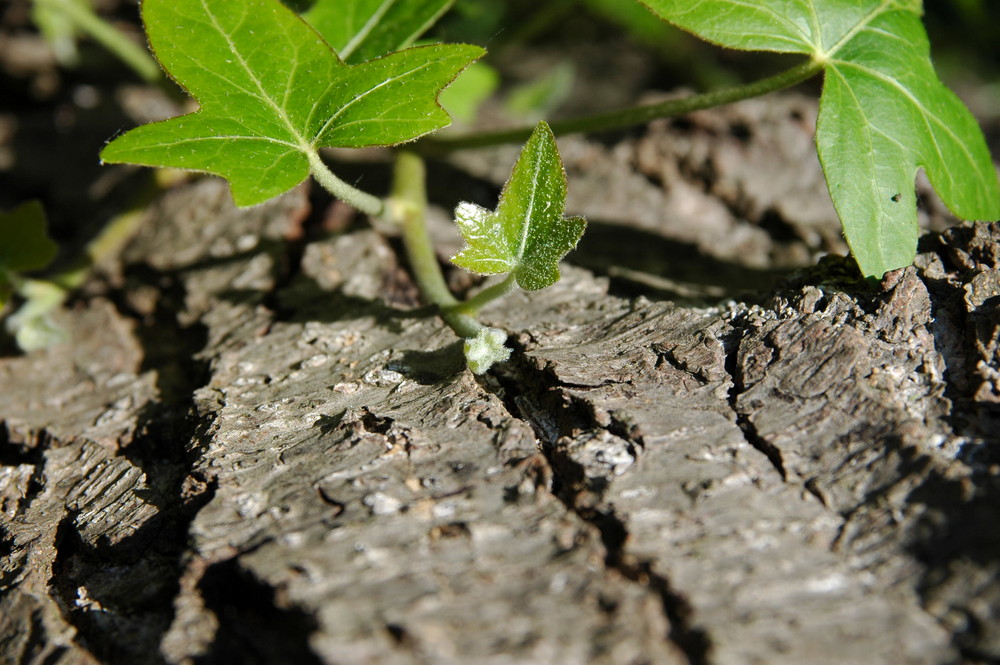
[883, 112]
[525, 238]
[263, 119]
[274, 88]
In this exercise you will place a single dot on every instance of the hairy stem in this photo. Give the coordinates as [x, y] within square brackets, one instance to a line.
[408, 208]
[104, 33]
[486, 296]
[636, 115]
[363, 201]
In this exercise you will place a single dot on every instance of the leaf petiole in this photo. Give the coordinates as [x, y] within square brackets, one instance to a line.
[408, 209]
[635, 115]
[363, 201]
[486, 296]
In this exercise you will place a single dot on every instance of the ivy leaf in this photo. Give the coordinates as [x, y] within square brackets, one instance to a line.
[883, 112]
[24, 244]
[544, 94]
[486, 349]
[360, 30]
[528, 234]
[272, 91]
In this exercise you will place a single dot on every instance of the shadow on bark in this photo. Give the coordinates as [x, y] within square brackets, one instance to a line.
[119, 597]
[255, 626]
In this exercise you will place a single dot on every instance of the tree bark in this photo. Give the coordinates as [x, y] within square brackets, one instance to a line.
[259, 449]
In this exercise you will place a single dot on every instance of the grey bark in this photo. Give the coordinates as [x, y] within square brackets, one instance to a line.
[259, 449]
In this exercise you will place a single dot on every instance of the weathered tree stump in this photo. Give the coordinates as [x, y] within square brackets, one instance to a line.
[258, 450]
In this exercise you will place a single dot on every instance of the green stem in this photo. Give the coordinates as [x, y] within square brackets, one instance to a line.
[103, 32]
[353, 196]
[408, 208]
[636, 115]
[486, 296]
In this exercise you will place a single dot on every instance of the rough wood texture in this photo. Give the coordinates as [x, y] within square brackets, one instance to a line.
[257, 451]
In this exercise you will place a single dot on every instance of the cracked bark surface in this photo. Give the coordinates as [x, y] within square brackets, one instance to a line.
[257, 450]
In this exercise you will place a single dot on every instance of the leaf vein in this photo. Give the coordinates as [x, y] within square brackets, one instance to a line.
[263, 96]
[861, 25]
[869, 154]
[925, 115]
[362, 34]
[358, 98]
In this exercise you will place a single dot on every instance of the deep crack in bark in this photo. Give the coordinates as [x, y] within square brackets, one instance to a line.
[731, 344]
[523, 383]
[133, 610]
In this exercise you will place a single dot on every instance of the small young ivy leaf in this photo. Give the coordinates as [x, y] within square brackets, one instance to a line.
[360, 30]
[486, 349]
[883, 112]
[528, 234]
[24, 244]
[272, 91]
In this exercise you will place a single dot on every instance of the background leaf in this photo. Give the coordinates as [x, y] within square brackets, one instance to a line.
[883, 112]
[544, 94]
[473, 86]
[360, 30]
[528, 234]
[271, 90]
[24, 244]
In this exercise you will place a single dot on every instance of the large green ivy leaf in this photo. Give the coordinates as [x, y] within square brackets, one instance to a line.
[883, 112]
[360, 30]
[528, 234]
[272, 91]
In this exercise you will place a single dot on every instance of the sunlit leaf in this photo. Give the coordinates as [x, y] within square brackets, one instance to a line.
[528, 234]
[271, 91]
[360, 30]
[883, 112]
